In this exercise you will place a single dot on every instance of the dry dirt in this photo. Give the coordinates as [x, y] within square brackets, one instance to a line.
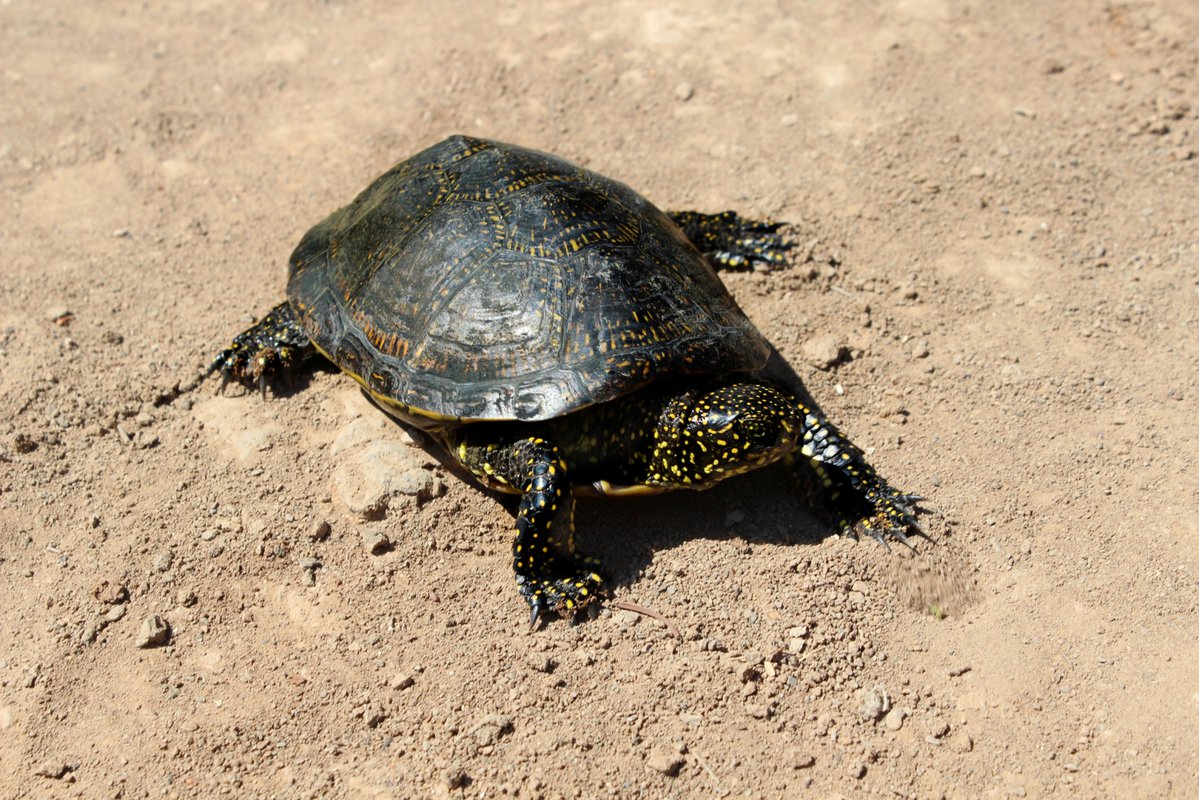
[996, 210]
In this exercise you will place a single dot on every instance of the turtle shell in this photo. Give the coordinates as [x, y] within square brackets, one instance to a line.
[479, 280]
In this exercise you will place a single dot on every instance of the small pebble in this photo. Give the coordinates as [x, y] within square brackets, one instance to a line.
[824, 352]
[155, 631]
[56, 314]
[666, 761]
[163, 561]
[320, 531]
[402, 681]
[51, 769]
[875, 703]
[491, 728]
[110, 593]
[376, 542]
[684, 91]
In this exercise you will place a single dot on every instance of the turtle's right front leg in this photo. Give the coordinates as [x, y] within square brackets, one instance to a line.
[275, 346]
[550, 573]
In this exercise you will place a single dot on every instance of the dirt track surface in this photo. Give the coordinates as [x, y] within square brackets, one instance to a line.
[996, 211]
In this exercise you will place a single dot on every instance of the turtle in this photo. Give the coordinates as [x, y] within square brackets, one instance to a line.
[556, 335]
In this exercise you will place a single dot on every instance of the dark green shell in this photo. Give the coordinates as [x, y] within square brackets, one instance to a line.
[479, 280]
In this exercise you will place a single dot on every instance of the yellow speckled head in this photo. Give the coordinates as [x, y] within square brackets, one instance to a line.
[729, 430]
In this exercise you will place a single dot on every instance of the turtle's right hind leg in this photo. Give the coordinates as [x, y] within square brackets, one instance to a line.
[274, 347]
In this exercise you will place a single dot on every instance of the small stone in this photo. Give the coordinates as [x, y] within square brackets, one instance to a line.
[875, 703]
[824, 352]
[456, 778]
[490, 729]
[937, 728]
[757, 710]
[961, 742]
[734, 517]
[59, 315]
[155, 632]
[666, 762]
[401, 681]
[51, 769]
[120, 233]
[920, 350]
[978, 172]
[542, 663]
[110, 593]
[857, 771]
[376, 542]
[624, 617]
[209, 534]
[799, 759]
[115, 614]
[163, 561]
[320, 531]
[186, 598]
[893, 719]
[684, 91]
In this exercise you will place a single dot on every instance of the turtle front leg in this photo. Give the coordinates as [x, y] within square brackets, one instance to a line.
[731, 241]
[861, 499]
[550, 573]
[274, 346]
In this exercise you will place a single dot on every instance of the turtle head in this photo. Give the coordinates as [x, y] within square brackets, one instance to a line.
[710, 435]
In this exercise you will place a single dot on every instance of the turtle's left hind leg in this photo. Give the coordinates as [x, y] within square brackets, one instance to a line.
[275, 347]
[730, 241]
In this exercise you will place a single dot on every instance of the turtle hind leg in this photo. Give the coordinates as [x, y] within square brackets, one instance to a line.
[551, 574]
[731, 241]
[274, 348]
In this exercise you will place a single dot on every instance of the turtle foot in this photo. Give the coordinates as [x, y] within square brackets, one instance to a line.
[577, 587]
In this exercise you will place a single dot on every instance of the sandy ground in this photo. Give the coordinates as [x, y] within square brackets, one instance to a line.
[996, 212]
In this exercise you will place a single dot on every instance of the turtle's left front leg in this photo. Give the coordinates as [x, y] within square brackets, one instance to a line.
[550, 573]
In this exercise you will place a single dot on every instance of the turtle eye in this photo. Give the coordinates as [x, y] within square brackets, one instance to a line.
[759, 434]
